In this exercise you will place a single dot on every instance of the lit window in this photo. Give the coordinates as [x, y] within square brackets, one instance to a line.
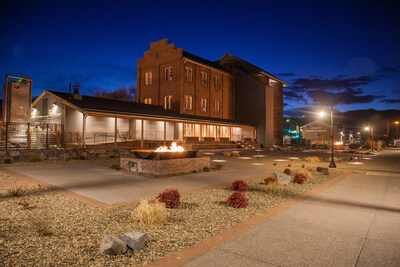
[188, 102]
[203, 104]
[168, 102]
[168, 74]
[147, 100]
[217, 82]
[189, 129]
[203, 78]
[188, 74]
[216, 107]
[148, 78]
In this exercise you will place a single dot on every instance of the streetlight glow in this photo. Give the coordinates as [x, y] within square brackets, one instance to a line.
[321, 114]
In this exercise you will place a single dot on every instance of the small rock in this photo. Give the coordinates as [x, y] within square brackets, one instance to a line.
[135, 240]
[227, 154]
[282, 178]
[323, 170]
[235, 154]
[112, 245]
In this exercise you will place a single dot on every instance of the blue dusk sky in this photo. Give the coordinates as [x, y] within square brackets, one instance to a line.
[346, 51]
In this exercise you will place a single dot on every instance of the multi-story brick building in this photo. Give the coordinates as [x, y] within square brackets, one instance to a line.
[229, 88]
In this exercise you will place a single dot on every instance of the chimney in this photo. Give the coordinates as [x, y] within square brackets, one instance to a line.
[76, 89]
[77, 96]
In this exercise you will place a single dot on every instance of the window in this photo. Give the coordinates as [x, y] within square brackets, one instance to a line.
[168, 102]
[188, 74]
[147, 100]
[217, 82]
[203, 104]
[188, 102]
[148, 78]
[216, 107]
[168, 74]
[157, 54]
[203, 78]
[189, 129]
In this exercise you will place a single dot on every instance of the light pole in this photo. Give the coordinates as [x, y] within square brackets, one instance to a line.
[397, 129]
[371, 134]
[321, 114]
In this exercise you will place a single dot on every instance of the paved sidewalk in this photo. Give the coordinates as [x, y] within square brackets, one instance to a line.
[356, 222]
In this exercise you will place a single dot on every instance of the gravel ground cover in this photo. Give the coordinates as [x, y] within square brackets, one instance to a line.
[42, 228]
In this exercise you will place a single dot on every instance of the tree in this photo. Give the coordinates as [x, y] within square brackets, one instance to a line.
[121, 93]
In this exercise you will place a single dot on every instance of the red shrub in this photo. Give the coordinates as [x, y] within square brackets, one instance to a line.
[287, 171]
[270, 179]
[170, 197]
[8, 160]
[299, 178]
[239, 185]
[237, 200]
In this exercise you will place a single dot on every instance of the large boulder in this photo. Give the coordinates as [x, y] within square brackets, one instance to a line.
[112, 245]
[282, 178]
[135, 240]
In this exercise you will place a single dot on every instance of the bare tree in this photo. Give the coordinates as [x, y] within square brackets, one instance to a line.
[121, 93]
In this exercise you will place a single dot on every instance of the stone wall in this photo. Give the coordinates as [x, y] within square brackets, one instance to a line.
[32, 155]
[170, 166]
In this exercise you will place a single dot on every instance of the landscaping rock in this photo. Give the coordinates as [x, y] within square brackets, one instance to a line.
[227, 154]
[323, 170]
[135, 240]
[282, 178]
[235, 154]
[112, 245]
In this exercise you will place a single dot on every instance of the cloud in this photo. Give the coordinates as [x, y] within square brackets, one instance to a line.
[286, 74]
[390, 70]
[390, 101]
[339, 82]
[347, 96]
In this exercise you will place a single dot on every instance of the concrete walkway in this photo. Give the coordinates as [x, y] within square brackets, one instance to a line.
[356, 222]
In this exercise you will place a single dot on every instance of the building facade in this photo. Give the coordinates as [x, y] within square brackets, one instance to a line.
[229, 88]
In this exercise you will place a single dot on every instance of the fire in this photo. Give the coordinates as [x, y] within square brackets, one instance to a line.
[339, 143]
[173, 148]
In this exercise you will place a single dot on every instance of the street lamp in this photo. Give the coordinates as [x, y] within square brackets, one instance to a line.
[397, 129]
[371, 134]
[321, 114]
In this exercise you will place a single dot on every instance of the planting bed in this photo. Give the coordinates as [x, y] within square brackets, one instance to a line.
[76, 228]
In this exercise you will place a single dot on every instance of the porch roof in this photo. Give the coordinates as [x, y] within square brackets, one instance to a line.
[91, 104]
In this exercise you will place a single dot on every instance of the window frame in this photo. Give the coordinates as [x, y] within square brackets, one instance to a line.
[168, 102]
[216, 107]
[203, 105]
[147, 100]
[204, 78]
[188, 102]
[148, 78]
[217, 78]
[188, 74]
[168, 74]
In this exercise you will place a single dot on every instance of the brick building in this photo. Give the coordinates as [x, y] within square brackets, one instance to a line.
[317, 132]
[229, 88]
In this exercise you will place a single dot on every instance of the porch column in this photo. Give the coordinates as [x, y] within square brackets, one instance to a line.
[252, 134]
[242, 134]
[230, 133]
[115, 132]
[141, 136]
[84, 129]
[165, 133]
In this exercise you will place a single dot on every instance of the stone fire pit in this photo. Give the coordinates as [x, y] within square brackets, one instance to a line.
[151, 162]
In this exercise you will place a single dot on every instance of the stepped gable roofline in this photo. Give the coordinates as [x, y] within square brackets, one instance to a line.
[228, 58]
[203, 61]
[92, 104]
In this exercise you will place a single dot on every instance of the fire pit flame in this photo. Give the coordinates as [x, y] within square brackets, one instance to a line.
[173, 148]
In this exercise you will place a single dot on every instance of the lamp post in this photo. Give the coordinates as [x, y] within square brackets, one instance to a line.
[397, 129]
[321, 114]
[371, 134]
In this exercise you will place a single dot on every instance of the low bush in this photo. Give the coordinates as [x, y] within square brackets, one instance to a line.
[272, 187]
[237, 200]
[287, 171]
[239, 185]
[270, 179]
[8, 160]
[304, 171]
[312, 159]
[170, 197]
[151, 214]
[206, 169]
[299, 178]
[42, 223]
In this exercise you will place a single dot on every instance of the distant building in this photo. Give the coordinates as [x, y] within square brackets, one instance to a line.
[318, 132]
